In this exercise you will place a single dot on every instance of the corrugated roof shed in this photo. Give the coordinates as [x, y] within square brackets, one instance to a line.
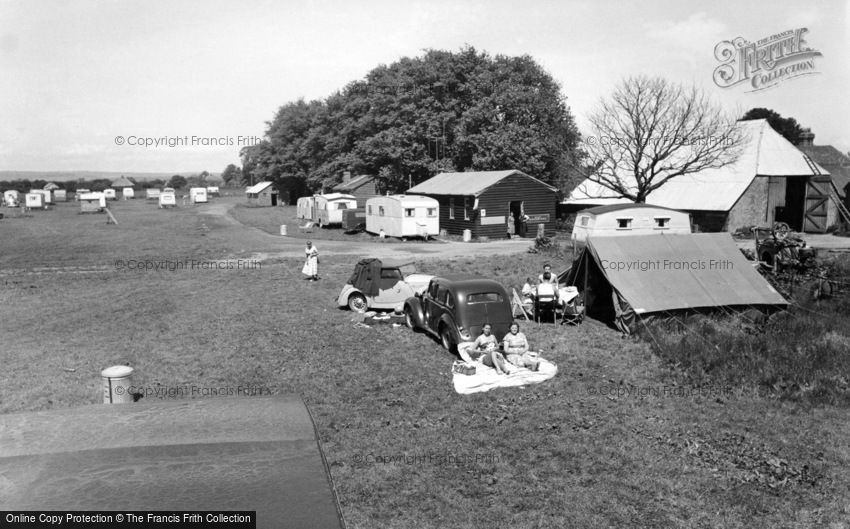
[354, 183]
[257, 188]
[765, 153]
[465, 184]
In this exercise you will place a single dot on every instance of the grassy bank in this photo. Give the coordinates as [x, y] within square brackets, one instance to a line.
[616, 439]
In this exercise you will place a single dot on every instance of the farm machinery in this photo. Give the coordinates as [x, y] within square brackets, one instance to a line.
[779, 249]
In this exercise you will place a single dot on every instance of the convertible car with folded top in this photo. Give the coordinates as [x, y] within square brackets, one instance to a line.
[385, 285]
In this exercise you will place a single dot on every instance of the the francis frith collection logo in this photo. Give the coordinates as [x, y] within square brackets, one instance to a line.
[766, 62]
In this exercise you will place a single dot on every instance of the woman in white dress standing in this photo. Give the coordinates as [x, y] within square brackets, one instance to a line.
[311, 266]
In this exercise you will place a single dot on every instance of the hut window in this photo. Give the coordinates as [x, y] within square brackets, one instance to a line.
[451, 208]
[380, 211]
[409, 212]
[342, 205]
[432, 212]
[624, 223]
[465, 208]
[662, 222]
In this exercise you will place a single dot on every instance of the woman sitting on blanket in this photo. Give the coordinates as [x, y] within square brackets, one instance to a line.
[516, 349]
[484, 349]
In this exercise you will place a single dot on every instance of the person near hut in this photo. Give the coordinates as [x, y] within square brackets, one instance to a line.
[511, 226]
[311, 265]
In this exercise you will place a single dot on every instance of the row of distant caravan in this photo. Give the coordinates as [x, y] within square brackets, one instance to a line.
[390, 215]
[36, 198]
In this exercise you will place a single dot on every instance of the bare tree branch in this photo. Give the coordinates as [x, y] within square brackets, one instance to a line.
[650, 131]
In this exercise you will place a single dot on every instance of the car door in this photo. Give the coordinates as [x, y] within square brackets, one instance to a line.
[434, 308]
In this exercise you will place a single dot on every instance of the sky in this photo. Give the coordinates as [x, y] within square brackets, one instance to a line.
[84, 84]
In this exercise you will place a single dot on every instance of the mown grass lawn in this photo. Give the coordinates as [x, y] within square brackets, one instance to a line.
[611, 441]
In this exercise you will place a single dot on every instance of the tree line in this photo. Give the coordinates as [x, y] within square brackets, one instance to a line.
[99, 184]
[469, 111]
[405, 122]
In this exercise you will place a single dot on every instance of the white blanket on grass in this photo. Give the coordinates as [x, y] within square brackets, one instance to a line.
[486, 378]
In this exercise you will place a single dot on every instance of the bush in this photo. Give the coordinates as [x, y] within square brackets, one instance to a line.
[799, 354]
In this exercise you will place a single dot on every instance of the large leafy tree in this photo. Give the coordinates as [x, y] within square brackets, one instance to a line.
[788, 127]
[177, 181]
[232, 175]
[406, 121]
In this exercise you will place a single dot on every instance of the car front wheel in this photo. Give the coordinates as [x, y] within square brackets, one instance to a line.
[357, 303]
[408, 318]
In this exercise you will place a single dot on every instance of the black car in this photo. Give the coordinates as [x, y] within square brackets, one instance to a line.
[455, 309]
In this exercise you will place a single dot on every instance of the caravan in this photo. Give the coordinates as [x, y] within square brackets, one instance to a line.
[305, 208]
[152, 193]
[92, 202]
[403, 216]
[47, 195]
[110, 194]
[328, 208]
[128, 192]
[198, 195]
[34, 200]
[628, 219]
[167, 198]
[11, 198]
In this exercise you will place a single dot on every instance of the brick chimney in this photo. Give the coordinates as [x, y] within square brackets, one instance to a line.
[807, 137]
[346, 176]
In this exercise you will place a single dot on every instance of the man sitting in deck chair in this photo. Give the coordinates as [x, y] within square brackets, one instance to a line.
[572, 309]
[545, 300]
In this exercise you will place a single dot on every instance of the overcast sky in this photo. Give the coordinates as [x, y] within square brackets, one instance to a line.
[74, 75]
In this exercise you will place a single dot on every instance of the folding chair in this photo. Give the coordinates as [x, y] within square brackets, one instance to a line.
[517, 303]
[307, 228]
[572, 306]
[545, 300]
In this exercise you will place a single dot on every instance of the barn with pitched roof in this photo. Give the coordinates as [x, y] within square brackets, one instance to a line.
[771, 181]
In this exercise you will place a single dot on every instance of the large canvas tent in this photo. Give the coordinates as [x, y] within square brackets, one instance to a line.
[215, 454]
[621, 277]
[771, 181]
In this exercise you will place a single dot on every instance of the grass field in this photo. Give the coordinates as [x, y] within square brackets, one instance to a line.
[616, 439]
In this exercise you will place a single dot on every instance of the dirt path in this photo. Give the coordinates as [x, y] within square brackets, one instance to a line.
[282, 246]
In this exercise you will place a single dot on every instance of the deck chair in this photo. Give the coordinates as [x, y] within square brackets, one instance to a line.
[307, 228]
[572, 306]
[545, 302]
[518, 306]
